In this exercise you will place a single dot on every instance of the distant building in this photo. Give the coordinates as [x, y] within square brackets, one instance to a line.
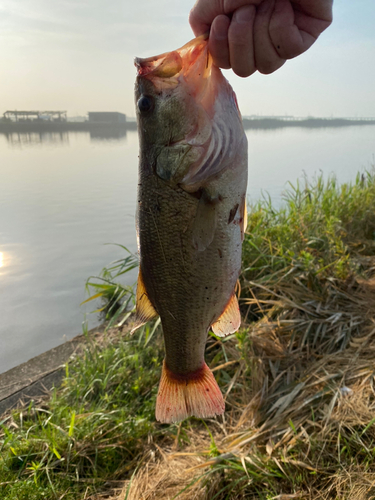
[106, 117]
[27, 116]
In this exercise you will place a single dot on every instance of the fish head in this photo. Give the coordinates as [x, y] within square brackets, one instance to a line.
[185, 109]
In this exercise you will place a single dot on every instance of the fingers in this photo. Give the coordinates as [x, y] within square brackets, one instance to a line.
[287, 38]
[231, 41]
[267, 59]
[202, 15]
[261, 34]
[204, 12]
[317, 9]
[218, 42]
[240, 40]
[243, 43]
[294, 31]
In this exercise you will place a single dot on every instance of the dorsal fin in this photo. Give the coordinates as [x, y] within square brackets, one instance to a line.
[230, 320]
[145, 311]
[244, 218]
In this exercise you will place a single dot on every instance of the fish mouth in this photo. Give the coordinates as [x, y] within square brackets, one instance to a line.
[172, 64]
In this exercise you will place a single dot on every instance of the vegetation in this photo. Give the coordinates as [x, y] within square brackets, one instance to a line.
[89, 430]
[298, 378]
[116, 297]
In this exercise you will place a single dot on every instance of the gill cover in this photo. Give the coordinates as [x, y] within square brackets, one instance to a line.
[188, 114]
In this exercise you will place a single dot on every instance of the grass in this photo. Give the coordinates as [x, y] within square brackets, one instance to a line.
[298, 378]
[116, 298]
[89, 430]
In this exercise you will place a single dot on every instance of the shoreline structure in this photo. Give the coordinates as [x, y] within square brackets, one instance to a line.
[37, 376]
[253, 122]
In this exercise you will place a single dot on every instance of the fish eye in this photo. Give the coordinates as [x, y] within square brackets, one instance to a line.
[145, 103]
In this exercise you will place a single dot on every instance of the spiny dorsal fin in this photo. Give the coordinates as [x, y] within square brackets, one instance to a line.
[229, 321]
[145, 311]
[244, 218]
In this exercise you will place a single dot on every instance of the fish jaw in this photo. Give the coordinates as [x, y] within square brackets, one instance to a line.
[170, 66]
[190, 67]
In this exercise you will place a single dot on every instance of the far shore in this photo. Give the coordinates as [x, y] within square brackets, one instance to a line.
[40, 126]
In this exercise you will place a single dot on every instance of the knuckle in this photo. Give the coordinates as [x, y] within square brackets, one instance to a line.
[267, 67]
[266, 70]
[243, 71]
[240, 39]
[221, 61]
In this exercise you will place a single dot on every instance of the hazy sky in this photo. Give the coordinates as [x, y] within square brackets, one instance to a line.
[77, 55]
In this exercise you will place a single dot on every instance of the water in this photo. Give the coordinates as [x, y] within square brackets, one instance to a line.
[63, 197]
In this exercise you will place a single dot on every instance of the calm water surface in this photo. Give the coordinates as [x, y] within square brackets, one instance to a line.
[63, 197]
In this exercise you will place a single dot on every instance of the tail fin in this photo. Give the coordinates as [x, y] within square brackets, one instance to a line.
[196, 394]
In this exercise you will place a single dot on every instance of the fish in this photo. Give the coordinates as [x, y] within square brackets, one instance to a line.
[190, 220]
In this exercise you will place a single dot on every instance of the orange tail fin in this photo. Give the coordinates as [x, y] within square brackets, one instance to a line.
[196, 394]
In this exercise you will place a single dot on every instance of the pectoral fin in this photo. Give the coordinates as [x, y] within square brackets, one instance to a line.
[229, 321]
[205, 222]
[145, 311]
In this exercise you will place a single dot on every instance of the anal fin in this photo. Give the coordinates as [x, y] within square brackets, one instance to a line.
[145, 311]
[181, 396]
[230, 320]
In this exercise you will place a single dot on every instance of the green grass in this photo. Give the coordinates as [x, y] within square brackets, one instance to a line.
[91, 430]
[117, 298]
[301, 267]
[300, 290]
[320, 226]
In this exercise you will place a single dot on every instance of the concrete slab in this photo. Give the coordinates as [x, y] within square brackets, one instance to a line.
[37, 376]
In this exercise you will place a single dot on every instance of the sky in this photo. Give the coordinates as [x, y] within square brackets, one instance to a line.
[77, 55]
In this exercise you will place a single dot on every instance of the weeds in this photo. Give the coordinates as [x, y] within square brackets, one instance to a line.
[298, 378]
[90, 431]
[116, 297]
[300, 399]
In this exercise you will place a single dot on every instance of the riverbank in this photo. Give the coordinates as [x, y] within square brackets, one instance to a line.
[297, 379]
[36, 377]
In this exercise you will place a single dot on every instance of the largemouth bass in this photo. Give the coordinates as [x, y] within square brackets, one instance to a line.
[190, 218]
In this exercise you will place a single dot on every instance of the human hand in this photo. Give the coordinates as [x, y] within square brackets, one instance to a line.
[250, 35]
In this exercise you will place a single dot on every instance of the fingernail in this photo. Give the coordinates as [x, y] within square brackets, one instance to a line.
[244, 15]
[221, 28]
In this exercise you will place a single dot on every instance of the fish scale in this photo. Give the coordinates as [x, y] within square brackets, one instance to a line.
[190, 218]
[172, 287]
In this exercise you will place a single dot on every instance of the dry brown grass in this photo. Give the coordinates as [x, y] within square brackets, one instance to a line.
[300, 406]
[299, 378]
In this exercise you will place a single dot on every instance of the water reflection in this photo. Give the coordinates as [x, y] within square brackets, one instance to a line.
[4, 263]
[108, 133]
[19, 140]
[59, 208]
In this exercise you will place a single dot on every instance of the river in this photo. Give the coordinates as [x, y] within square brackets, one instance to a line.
[64, 197]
